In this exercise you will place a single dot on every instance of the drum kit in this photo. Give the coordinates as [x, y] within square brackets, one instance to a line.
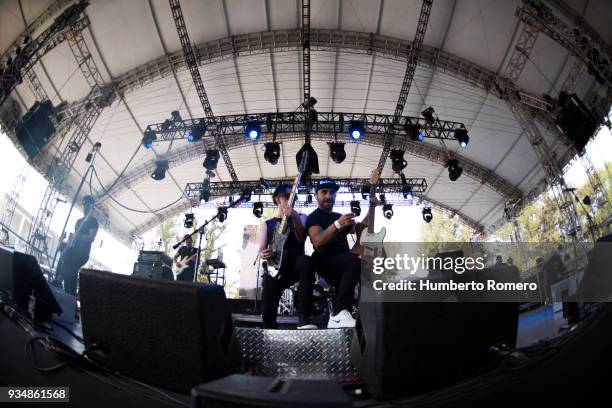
[322, 295]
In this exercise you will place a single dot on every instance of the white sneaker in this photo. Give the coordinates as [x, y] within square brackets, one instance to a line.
[342, 319]
[308, 326]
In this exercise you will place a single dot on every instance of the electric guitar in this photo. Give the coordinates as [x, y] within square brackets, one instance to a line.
[370, 243]
[281, 232]
[181, 264]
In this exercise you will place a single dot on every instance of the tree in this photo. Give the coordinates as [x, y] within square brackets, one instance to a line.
[168, 233]
[213, 231]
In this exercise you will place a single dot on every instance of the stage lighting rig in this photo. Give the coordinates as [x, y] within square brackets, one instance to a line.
[211, 159]
[413, 131]
[462, 137]
[222, 213]
[148, 138]
[356, 129]
[160, 170]
[336, 152]
[454, 170]
[258, 209]
[427, 214]
[406, 188]
[397, 160]
[272, 152]
[356, 208]
[252, 130]
[189, 220]
[388, 211]
[197, 132]
[428, 114]
[310, 103]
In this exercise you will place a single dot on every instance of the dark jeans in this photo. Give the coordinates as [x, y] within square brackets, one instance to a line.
[341, 270]
[273, 288]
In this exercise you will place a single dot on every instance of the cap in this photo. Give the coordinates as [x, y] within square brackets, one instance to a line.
[327, 183]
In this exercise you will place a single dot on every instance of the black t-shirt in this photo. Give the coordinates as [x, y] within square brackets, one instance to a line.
[187, 274]
[293, 247]
[338, 243]
[88, 223]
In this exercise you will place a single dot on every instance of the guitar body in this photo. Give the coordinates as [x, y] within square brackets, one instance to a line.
[277, 245]
[183, 263]
[372, 243]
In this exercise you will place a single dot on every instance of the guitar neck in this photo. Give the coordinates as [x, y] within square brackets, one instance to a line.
[296, 182]
[371, 210]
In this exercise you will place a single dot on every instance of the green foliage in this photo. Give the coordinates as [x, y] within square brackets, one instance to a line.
[210, 245]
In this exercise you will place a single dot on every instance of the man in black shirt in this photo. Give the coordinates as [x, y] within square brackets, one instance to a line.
[186, 252]
[332, 257]
[273, 286]
[76, 252]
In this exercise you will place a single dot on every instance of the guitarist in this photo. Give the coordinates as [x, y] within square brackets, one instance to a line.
[332, 257]
[185, 252]
[273, 287]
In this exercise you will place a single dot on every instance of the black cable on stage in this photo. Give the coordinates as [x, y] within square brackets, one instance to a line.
[134, 209]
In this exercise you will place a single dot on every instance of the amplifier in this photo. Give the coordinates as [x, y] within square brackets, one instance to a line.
[154, 257]
[152, 270]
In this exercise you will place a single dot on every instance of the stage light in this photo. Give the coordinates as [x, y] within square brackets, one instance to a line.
[454, 170]
[406, 188]
[204, 195]
[252, 130]
[176, 116]
[222, 213]
[428, 114]
[189, 220]
[197, 132]
[148, 138]
[356, 129]
[258, 209]
[413, 132]
[337, 153]
[388, 211]
[356, 208]
[166, 125]
[160, 170]
[272, 152]
[427, 215]
[309, 199]
[586, 200]
[211, 159]
[310, 103]
[365, 192]
[382, 198]
[462, 137]
[397, 160]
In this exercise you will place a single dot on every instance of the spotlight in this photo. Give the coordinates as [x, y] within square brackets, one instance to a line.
[413, 132]
[586, 200]
[160, 170]
[189, 220]
[356, 129]
[204, 195]
[388, 211]
[356, 208]
[462, 137]
[211, 159]
[222, 213]
[258, 209]
[382, 198]
[428, 114]
[406, 188]
[166, 125]
[309, 199]
[176, 116]
[427, 215]
[365, 192]
[454, 171]
[310, 103]
[252, 130]
[272, 152]
[197, 132]
[397, 160]
[337, 153]
[148, 138]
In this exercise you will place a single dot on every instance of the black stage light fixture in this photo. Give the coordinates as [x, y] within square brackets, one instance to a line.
[337, 153]
[382, 198]
[204, 195]
[310, 103]
[365, 192]
[356, 129]
[428, 114]
[189, 220]
[176, 116]
[148, 138]
[252, 130]
[197, 132]
[166, 125]
[356, 208]
[160, 170]
[211, 159]
[427, 215]
[406, 188]
[454, 170]
[388, 211]
[413, 132]
[309, 199]
[397, 160]
[258, 209]
[586, 200]
[222, 212]
[462, 137]
[272, 152]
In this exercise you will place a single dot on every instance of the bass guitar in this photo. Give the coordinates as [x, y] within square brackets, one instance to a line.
[370, 243]
[181, 264]
[281, 232]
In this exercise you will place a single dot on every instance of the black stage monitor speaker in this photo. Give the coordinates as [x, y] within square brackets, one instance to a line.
[403, 349]
[174, 335]
[576, 120]
[246, 391]
[35, 128]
